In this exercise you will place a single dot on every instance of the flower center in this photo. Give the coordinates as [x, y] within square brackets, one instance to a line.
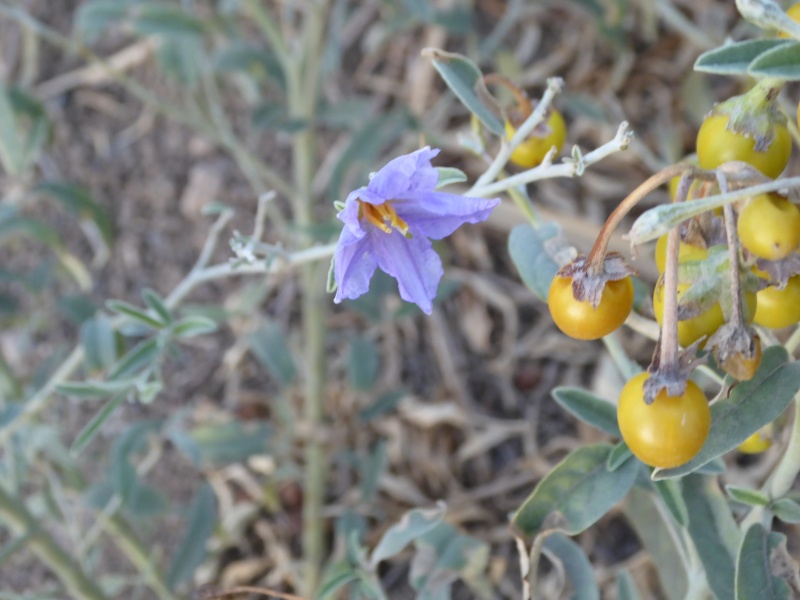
[383, 216]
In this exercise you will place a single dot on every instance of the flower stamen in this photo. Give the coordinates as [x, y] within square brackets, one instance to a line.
[383, 216]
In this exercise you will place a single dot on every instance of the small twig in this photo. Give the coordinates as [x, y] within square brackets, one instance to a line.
[212, 239]
[554, 85]
[261, 215]
[567, 168]
[40, 399]
[598, 252]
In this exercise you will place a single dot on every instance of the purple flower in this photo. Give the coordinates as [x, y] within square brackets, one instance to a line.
[389, 224]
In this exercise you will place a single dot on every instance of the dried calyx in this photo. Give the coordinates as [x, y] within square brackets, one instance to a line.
[588, 283]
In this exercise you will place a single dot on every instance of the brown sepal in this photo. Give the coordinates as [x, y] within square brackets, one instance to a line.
[780, 271]
[672, 380]
[588, 286]
[737, 350]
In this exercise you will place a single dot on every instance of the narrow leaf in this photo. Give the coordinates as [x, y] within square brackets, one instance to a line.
[750, 406]
[193, 325]
[670, 493]
[713, 532]
[268, 345]
[167, 21]
[79, 202]
[93, 17]
[626, 589]
[363, 362]
[650, 523]
[782, 61]
[11, 154]
[465, 79]
[589, 408]
[760, 566]
[444, 555]
[414, 524]
[449, 175]
[98, 341]
[135, 360]
[135, 313]
[334, 579]
[735, 58]
[618, 456]
[94, 389]
[787, 510]
[576, 493]
[747, 496]
[155, 303]
[577, 566]
[200, 519]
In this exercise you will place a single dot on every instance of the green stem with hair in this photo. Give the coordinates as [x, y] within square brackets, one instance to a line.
[303, 92]
[75, 580]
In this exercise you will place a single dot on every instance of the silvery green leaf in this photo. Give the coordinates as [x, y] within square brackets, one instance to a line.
[414, 524]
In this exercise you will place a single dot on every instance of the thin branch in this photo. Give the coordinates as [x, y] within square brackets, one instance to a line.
[567, 168]
[77, 582]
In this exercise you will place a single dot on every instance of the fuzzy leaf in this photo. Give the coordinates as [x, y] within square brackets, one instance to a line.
[787, 510]
[626, 589]
[363, 363]
[79, 202]
[782, 61]
[747, 496]
[92, 428]
[649, 522]
[670, 493]
[576, 493]
[191, 551]
[713, 532]
[589, 408]
[735, 58]
[449, 175]
[98, 341]
[760, 572]
[414, 524]
[577, 566]
[750, 406]
[527, 246]
[268, 344]
[465, 79]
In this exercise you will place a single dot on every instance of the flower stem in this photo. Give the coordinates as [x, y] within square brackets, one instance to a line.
[598, 252]
[737, 318]
[76, 581]
[668, 345]
[303, 92]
